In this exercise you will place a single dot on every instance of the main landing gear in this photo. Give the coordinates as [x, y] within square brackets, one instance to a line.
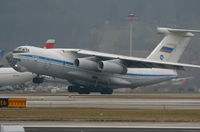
[106, 91]
[79, 90]
[85, 90]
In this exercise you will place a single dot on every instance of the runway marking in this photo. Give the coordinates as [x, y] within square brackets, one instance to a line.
[159, 127]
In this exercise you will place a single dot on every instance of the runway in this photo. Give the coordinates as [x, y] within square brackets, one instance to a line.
[92, 129]
[139, 100]
[120, 103]
[110, 126]
[78, 126]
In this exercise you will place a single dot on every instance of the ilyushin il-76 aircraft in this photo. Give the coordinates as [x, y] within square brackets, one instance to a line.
[91, 71]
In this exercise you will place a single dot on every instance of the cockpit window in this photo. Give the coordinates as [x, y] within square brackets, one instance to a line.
[21, 50]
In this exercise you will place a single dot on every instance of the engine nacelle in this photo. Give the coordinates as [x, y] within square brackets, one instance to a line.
[112, 67]
[86, 64]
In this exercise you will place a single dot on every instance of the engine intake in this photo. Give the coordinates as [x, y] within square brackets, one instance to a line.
[113, 66]
[86, 64]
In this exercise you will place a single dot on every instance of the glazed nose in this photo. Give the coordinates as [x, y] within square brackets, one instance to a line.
[12, 61]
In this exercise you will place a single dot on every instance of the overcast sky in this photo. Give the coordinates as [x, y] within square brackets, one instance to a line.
[81, 23]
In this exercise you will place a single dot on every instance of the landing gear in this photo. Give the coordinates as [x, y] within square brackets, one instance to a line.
[87, 90]
[78, 89]
[84, 91]
[38, 80]
[72, 89]
[106, 91]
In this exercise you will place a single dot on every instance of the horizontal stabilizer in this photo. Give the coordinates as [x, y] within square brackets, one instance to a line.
[168, 30]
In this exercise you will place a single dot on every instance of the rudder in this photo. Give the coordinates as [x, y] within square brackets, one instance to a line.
[172, 45]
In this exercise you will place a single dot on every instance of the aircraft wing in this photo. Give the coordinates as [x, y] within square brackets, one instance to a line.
[134, 62]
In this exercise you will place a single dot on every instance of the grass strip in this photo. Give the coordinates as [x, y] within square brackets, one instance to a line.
[98, 114]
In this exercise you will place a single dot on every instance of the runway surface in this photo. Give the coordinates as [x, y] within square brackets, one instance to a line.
[88, 129]
[131, 100]
[119, 103]
[78, 126]
[139, 100]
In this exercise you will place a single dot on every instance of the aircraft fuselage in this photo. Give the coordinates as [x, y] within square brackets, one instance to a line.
[60, 63]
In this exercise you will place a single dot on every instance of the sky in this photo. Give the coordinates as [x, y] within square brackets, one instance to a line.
[91, 24]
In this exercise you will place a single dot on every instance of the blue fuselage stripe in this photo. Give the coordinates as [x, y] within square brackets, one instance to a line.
[150, 75]
[167, 48]
[48, 59]
[70, 63]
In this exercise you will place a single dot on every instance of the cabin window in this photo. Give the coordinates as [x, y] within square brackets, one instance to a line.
[21, 50]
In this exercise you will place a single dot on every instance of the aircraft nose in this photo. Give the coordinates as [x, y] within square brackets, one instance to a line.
[13, 62]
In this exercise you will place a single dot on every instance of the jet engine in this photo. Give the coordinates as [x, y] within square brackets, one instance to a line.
[85, 63]
[112, 66]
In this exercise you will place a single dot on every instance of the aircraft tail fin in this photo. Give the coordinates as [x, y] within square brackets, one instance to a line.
[2, 52]
[49, 44]
[172, 45]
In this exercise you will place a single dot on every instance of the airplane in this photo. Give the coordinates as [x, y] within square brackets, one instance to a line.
[90, 71]
[9, 76]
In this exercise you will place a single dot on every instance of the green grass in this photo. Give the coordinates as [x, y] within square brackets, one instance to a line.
[98, 114]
